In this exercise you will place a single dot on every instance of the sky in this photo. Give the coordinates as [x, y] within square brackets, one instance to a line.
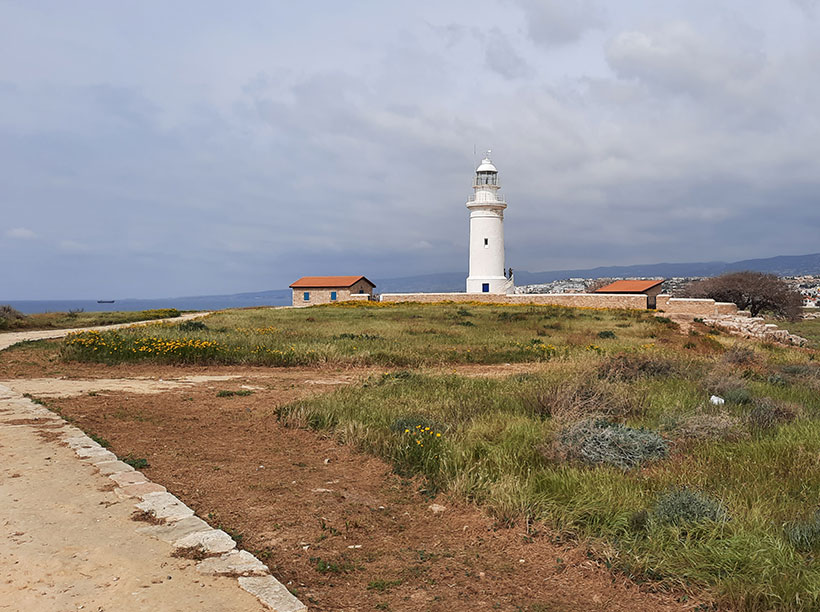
[152, 149]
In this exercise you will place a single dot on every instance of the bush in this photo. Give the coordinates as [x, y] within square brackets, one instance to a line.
[607, 333]
[192, 326]
[705, 426]
[9, 316]
[739, 356]
[804, 535]
[633, 367]
[767, 413]
[741, 395]
[600, 442]
[574, 399]
[685, 506]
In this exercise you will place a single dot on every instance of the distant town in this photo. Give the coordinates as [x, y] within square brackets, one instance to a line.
[808, 285]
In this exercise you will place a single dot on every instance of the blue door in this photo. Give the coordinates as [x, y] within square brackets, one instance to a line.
[485, 287]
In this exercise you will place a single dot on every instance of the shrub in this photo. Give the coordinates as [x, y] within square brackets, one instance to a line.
[633, 367]
[684, 506]
[767, 413]
[706, 426]
[574, 399]
[739, 356]
[740, 395]
[804, 535]
[9, 316]
[600, 442]
[192, 326]
[607, 333]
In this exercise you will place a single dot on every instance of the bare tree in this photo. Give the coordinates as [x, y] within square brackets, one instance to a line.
[753, 291]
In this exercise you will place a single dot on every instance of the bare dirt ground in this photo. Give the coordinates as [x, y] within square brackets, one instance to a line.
[335, 525]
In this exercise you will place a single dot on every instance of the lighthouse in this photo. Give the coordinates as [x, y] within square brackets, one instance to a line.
[487, 233]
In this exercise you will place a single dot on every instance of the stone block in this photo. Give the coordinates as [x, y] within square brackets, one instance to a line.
[177, 530]
[165, 506]
[113, 467]
[212, 541]
[127, 478]
[140, 489]
[272, 593]
[234, 563]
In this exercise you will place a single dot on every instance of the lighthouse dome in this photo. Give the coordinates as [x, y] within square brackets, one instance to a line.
[486, 166]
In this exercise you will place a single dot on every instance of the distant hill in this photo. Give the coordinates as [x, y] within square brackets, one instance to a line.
[783, 265]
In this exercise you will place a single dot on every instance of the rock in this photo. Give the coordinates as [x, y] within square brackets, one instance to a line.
[211, 541]
[717, 401]
[234, 563]
[437, 509]
[272, 593]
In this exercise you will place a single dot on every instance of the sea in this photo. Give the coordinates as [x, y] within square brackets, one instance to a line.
[280, 297]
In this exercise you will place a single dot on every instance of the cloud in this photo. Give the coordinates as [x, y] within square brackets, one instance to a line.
[21, 233]
[502, 58]
[680, 58]
[553, 23]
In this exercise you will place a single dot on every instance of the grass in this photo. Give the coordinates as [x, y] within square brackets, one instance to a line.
[67, 320]
[613, 440]
[395, 335]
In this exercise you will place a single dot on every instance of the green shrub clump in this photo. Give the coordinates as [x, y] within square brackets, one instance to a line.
[192, 326]
[607, 333]
[685, 506]
[600, 442]
[804, 535]
[9, 316]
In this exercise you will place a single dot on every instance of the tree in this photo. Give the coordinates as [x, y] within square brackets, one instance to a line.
[753, 291]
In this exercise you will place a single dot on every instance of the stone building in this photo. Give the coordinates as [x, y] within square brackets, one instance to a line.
[312, 290]
[650, 288]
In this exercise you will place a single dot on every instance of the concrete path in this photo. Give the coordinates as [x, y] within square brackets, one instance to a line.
[69, 541]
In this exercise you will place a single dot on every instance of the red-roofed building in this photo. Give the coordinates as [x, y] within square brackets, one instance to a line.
[312, 290]
[650, 288]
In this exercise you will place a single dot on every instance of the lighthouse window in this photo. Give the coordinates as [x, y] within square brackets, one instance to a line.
[486, 243]
[485, 287]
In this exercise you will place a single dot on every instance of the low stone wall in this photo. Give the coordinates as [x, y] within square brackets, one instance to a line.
[577, 300]
[697, 307]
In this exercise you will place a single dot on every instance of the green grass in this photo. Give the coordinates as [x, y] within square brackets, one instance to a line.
[402, 335]
[68, 320]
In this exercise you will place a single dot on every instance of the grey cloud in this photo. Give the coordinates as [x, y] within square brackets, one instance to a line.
[678, 57]
[501, 56]
[552, 23]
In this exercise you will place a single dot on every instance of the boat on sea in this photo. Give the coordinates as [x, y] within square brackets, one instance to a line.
[105, 301]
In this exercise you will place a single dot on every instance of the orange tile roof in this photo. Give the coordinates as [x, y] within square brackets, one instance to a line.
[629, 286]
[328, 281]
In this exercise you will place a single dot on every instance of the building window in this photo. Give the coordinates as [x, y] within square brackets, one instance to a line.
[485, 287]
[306, 296]
[486, 243]
[332, 296]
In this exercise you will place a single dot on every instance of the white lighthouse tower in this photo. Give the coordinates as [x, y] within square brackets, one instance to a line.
[487, 233]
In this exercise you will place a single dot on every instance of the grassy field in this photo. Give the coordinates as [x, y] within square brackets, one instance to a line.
[809, 329]
[67, 320]
[611, 440]
[390, 335]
